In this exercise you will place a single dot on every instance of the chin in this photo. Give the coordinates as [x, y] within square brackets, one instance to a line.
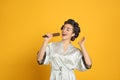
[64, 38]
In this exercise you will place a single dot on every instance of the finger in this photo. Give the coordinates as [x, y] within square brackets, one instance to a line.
[79, 41]
[83, 39]
[49, 35]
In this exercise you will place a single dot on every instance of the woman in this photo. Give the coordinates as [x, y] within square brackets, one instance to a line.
[63, 56]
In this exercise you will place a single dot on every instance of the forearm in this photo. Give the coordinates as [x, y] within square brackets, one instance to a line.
[41, 52]
[86, 56]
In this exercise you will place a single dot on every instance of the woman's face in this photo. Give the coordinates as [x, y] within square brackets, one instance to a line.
[67, 32]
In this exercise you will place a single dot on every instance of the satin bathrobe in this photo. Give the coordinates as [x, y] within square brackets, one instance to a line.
[63, 63]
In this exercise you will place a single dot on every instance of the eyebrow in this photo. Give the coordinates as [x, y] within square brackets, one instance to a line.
[67, 27]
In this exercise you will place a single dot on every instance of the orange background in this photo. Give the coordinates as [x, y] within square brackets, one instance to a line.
[23, 22]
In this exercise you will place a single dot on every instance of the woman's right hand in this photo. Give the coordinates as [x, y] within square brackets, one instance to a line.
[50, 36]
[41, 53]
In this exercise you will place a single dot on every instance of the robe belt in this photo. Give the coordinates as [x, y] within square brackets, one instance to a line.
[61, 69]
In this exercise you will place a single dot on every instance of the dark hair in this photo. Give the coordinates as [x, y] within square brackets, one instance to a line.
[76, 28]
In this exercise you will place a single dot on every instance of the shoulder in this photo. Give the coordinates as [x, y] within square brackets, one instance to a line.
[77, 51]
[75, 48]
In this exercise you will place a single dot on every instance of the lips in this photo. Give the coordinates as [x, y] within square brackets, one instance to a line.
[64, 34]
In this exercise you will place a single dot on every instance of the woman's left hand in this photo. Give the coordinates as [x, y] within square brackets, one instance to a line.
[82, 41]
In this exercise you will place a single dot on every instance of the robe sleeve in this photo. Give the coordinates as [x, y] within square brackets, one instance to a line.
[80, 62]
[46, 58]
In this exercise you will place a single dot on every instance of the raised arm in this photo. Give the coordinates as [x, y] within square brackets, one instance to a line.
[41, 52]
[86, 56]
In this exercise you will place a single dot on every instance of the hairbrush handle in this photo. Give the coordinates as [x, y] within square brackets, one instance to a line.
[54, 34]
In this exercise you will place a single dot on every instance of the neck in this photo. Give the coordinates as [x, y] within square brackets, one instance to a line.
[66, 42]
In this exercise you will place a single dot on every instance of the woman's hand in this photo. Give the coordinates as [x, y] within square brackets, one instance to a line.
[41, 53]
[47, 39]
[82, 41]
[85, 54]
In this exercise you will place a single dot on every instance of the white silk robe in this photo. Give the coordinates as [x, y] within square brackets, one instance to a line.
[63, 63]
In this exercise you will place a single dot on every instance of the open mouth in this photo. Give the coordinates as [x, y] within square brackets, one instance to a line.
[64, 34]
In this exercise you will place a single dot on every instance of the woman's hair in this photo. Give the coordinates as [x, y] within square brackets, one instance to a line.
[76, 28]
